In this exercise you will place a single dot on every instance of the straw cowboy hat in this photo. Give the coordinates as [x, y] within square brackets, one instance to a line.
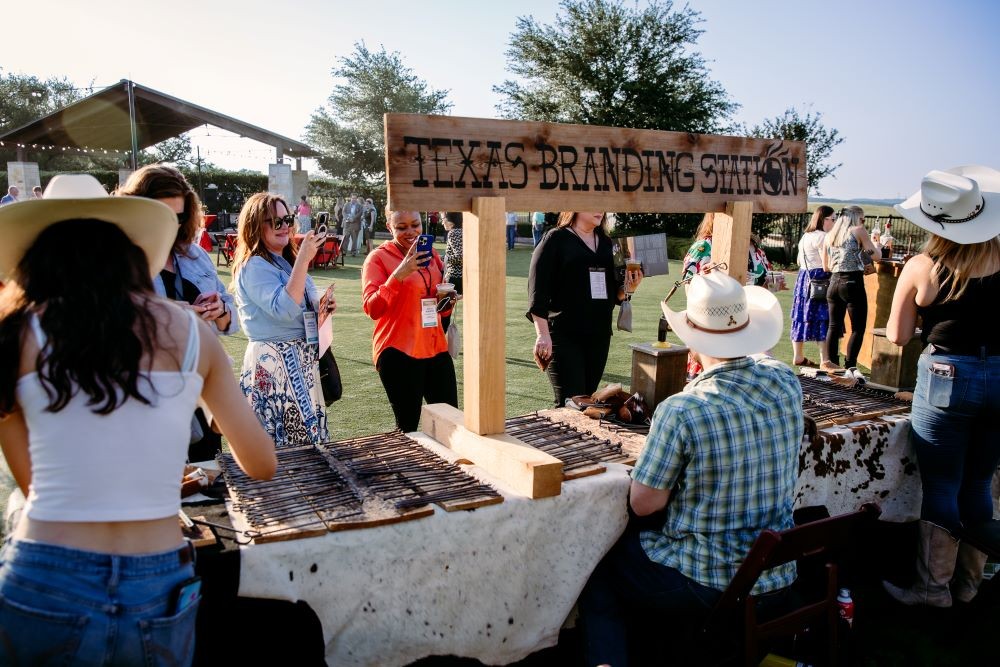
[961, 204]
[149, 224]
[724, 319]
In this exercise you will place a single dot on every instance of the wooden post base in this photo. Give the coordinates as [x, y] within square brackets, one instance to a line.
[526, 470]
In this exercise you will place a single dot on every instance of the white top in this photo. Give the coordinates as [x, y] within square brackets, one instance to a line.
[123, 466]
[809, 250]
[511, 219]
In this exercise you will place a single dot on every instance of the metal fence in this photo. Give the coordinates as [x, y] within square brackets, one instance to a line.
[784, 232]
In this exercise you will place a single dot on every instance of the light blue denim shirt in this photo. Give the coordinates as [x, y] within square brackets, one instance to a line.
[267, 312]
[197, 267]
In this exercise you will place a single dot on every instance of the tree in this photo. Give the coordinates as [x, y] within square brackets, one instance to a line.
[602, 63]
[820, 143]
[349, 130]
[176, 150]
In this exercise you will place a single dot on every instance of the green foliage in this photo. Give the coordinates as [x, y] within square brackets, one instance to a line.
[176, 151]
[604, 63]
[349, 130]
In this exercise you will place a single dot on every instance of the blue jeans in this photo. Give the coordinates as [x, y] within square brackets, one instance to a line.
[66, 606]
[626, 581]
[511, 236]
[537, 233]
[956, 434]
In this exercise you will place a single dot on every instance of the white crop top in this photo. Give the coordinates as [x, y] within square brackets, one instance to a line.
[123, 466]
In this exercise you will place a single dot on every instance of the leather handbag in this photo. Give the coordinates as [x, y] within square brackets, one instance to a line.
[818, 287]
[329, 378]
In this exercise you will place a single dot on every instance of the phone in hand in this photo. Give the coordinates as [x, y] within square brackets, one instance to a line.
[206, 298]
[425, 242]
[321, 231]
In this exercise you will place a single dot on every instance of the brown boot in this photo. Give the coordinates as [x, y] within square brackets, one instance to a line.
[937, 551]
[968, 573]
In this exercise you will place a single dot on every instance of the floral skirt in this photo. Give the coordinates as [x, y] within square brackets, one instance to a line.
[810, 319]
[281, 381]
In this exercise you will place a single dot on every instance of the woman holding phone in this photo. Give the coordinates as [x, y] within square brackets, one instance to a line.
[280, 311]
[409, 347]
[98, 380]
[188, 275]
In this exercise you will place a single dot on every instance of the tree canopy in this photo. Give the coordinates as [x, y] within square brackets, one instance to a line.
[603, 63]
[809, 128]
[349, 130]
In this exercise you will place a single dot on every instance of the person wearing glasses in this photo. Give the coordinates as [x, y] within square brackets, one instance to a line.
[409, 346]
[842, 249]
[280, 313]
[188, 276]
[810, 319]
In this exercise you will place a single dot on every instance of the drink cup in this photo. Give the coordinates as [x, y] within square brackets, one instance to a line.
[633, 264]
[445, 289]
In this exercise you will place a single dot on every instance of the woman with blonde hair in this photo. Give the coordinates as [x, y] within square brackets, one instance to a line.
[98, 380]
[572, 290]
[846, 296]
[280, 311]
[954, 286]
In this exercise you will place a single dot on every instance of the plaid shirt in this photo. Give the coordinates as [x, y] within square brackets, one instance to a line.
[727, 449]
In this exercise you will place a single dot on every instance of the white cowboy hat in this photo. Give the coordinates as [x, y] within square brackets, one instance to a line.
[961, 204]
[724, 319]
[149, 224]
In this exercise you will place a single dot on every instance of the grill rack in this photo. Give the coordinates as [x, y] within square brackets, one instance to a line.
[304, 497]
[828, 403]
[582, 453]
[401, 471]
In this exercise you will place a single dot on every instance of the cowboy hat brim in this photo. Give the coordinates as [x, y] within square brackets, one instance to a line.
[761, 333]
[983, 227]
[148, 223]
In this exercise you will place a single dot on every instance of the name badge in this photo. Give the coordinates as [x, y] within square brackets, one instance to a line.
[598, 285]
[428, 313]
[312, 328]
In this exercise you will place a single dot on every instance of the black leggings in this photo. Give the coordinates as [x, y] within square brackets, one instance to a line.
[846, 295]
[409, 381]
[577, 365]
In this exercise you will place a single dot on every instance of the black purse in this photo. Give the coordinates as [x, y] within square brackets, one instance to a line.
[329, 378]
[818, 287]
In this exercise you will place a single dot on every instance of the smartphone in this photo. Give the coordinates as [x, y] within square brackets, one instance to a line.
[186, 594]
[321, 231]
[424, 244]
[206, 298]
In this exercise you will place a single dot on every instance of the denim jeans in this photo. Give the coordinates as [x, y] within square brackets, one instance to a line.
[956, 435]
[627, 582]
[511, 236]
[846, 296]
[537, 233]
[66, 606]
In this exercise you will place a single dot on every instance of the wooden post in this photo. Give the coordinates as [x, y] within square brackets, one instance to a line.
[484, 273]
[731, 238]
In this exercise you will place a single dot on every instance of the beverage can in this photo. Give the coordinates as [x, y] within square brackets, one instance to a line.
[846, 606]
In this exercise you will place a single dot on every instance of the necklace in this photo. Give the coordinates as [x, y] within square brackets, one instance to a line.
[594, 235]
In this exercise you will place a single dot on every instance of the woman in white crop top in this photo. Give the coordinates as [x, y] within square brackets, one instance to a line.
[98, 379]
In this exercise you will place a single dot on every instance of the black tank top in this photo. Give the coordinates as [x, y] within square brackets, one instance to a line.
[967, 324]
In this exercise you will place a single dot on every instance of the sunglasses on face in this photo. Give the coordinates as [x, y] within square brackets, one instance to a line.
[183, 217]
[283, 221]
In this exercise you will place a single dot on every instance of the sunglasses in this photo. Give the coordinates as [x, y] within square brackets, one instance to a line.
[183, 217]
[283, 221]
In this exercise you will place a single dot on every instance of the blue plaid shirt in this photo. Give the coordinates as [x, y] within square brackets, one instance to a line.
[727, 449]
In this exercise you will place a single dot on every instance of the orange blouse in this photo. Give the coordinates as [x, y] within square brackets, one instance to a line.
[395, 305]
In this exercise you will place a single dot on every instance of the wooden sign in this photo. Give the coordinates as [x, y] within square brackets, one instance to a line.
[442, 162]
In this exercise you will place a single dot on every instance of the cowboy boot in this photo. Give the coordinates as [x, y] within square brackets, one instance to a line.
[968, 573]
[937, 551]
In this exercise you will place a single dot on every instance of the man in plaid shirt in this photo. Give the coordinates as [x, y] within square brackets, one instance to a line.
[722, 459]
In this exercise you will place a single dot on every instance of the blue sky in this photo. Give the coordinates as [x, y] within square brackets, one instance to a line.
[911, 85]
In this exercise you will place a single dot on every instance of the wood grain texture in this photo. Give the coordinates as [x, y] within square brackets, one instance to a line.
[443, 162]
[523, 468]
[731, 238]
[483, 271]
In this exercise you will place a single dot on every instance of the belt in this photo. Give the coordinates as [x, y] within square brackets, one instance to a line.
[980, 352]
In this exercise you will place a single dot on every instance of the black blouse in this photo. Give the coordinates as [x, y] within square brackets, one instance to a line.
[964, 325]
[559, 284]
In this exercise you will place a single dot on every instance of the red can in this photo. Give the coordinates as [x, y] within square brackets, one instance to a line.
[846, 606]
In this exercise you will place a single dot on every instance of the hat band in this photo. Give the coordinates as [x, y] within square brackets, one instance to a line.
[941, 218]
[716, 331]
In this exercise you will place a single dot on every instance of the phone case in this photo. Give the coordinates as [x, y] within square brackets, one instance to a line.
[425, 242]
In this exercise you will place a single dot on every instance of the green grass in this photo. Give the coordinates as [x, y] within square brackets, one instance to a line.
[364, 409]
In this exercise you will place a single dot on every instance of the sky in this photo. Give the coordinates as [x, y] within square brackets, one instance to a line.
[911, 85]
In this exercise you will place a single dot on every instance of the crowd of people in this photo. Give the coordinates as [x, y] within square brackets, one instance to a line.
[94, 352]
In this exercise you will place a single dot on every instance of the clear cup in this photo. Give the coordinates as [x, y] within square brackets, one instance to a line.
[445, 289]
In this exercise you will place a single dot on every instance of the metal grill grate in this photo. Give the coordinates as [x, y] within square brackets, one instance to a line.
[581, 453]
[828, 403]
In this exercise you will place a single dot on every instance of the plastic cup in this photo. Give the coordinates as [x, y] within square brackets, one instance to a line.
[444, 289]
